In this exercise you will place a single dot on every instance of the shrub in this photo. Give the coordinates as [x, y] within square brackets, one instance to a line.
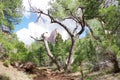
[6, 63]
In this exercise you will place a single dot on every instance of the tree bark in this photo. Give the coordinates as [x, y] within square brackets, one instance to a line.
[71, 54]
[52, 57]
[81, 71]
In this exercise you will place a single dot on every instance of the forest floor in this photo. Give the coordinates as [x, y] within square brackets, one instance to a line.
[10, 73]
[48, 74]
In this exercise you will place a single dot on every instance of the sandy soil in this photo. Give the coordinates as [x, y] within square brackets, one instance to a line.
[13, 73]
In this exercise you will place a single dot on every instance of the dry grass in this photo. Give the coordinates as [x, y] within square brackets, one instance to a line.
[103, 76]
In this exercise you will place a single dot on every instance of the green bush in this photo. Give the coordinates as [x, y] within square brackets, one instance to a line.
[6, 63]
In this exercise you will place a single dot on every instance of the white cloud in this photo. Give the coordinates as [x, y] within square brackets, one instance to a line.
[41, 4]
[24, 36]
[26, 8]
[35, 30]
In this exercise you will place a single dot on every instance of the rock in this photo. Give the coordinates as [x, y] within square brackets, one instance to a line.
[26, 67]
[29, 67]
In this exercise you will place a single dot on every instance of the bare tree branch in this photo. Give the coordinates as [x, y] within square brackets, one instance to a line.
[38, 18]
[52, 19]
[81, 31]
[115, 29]
[75, 28]
[36, 39]
[102, 24]
[82, 22]
[74, 17]
[92, 33]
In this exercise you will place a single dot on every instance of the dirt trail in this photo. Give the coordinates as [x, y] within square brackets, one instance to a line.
[12, 73]
[48, 74]
[45, 74]
[42, 74]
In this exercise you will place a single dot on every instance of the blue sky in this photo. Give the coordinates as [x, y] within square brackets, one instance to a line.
[25, 22]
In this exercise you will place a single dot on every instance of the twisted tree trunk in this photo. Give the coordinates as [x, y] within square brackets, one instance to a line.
[52, 57]
[71, 54]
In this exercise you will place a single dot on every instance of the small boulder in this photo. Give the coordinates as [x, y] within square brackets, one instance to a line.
[29, 67]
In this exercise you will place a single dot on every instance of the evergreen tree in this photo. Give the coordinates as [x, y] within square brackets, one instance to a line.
[10, 12]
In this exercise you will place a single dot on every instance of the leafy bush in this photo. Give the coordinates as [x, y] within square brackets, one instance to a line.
[6, 63]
